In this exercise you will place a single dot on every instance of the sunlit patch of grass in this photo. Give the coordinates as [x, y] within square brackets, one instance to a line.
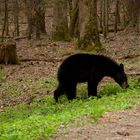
[42, 118]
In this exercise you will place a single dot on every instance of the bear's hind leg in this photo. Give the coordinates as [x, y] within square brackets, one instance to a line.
[92, 89]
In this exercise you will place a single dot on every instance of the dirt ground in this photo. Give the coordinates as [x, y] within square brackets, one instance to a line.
[120, 125]
[41, 59]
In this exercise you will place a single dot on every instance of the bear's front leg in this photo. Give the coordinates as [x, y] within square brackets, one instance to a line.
[58, 92]
[93, 83]
[71, 91]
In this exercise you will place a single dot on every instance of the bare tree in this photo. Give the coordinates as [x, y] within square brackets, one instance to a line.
[105, 17]
[116, 16]
[5, 24]
[73, 29]
[89, 34]
[35, 12]
[16, 16]
[60, 21]
[101, 15]
[133, 11]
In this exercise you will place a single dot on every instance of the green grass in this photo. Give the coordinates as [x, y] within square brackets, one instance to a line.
[14, 88]
[43, 118]
[2, 75]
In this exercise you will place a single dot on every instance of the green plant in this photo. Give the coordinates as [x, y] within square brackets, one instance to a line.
[2, 75]
[42, 118]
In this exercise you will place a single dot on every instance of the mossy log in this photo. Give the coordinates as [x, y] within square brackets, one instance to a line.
[8, 54]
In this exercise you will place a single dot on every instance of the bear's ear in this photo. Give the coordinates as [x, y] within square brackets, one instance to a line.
[122, 66]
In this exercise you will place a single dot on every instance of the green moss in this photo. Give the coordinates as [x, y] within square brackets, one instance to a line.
[61, 35]
[88, 45]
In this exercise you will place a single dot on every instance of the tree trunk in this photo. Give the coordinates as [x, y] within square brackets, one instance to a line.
[116, 16]
[133, 8]
[105, 18]
[89, 34]
[70, 7]
[138, 23]
[35, 11]
[8, 54]
[16, 17]
[74, 19]
[30, 21]
[5, 20]
[39, 16]
[42, 20]
[101, 15]
[60, 21]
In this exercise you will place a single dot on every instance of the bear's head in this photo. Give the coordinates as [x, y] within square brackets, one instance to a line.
[121, 77]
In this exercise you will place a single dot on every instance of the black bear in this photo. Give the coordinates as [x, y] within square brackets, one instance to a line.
[88, 68]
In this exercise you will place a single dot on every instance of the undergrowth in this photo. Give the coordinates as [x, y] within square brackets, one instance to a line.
[2, 75]
[43, 117]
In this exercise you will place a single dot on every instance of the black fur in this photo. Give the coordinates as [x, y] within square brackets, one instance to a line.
[88, 68]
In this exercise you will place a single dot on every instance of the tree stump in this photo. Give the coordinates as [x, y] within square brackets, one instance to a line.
[8, 54]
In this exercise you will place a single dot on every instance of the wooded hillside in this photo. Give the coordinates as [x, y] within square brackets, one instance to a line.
[67, 19]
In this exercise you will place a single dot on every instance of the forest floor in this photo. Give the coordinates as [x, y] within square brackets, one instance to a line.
[40, 60]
